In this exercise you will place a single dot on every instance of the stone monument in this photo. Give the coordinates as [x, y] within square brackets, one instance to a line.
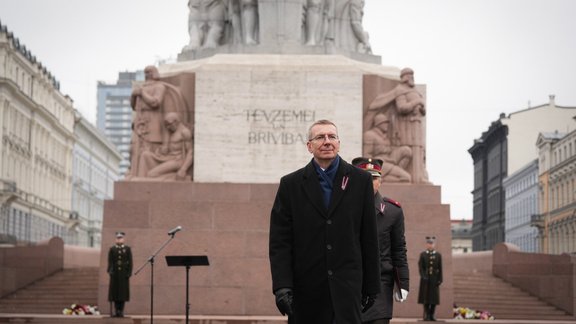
[214, 132]
[277, 27]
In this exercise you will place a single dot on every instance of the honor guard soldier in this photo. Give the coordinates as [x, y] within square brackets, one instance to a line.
[392, 246]
[430, 268]
[120, 270]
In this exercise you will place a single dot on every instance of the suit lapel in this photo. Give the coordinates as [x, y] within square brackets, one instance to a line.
[311, 187]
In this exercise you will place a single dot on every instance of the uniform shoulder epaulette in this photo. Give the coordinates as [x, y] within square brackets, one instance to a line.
[393, 202]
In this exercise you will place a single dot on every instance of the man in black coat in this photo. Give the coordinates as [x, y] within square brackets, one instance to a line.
[430, 268]
[323, 242]
[120, 270]
[392, 242]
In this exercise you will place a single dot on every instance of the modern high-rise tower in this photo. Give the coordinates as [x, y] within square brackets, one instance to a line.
[114, 115]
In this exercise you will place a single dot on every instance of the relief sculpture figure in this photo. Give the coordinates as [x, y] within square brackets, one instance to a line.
[395, 159]
[205, 23]
[407, 107]
[153, 101]
[243, 15]
[172, 164]
[319, 21]
[348, 29]
[147, 101]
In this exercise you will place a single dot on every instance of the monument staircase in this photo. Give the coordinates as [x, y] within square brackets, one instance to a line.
[54, 293]
[481, 290]
[43, 301]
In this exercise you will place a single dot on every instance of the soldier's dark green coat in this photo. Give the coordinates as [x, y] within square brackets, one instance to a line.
[393, 259]
[430, 268]
[120, 270]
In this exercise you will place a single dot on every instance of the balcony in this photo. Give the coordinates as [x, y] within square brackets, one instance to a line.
[537, 221]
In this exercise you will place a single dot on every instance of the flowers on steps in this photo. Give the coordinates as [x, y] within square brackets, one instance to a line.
[468, 313]
[81, 310]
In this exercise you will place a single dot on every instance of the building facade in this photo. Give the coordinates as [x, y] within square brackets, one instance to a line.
[461, 236]
[521, 204]
[37, 125]
[490, 168]
[114, 114]
[557, 176]
[95, 168]
[55, 168]
[503, 149]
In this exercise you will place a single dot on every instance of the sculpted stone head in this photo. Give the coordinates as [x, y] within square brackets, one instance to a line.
[407, 76]
[151, 73]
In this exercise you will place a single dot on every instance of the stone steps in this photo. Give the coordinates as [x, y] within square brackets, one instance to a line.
[484, 291]
[54, 293]
[480, 291]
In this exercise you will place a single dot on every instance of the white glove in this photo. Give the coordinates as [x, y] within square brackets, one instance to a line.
[400, 296]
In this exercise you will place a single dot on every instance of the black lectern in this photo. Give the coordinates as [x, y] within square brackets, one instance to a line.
[187, 261]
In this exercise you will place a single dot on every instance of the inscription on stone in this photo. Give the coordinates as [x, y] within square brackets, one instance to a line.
[272, 126]
[252, 123]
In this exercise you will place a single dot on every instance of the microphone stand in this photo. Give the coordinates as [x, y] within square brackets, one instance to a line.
[151, 261]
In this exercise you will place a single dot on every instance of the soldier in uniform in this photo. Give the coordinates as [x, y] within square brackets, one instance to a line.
[392, 246]
[430, 268]
[120, 270]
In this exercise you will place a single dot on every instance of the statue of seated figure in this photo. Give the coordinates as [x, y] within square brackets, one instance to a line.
[172, 161]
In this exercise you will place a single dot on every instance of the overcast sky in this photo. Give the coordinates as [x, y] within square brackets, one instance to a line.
[478, 58]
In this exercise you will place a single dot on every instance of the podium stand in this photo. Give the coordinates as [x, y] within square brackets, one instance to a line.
[187, 261]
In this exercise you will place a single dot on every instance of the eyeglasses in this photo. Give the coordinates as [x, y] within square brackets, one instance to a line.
[323, 137]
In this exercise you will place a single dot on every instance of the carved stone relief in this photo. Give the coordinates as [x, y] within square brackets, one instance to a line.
[336, 23]
[282, 26]
[161, 144]
[394, 130]
[212, 23]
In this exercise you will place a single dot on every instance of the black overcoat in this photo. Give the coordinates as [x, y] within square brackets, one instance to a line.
[393, 260]
[328, 256]
[430, 268]
[120, 270]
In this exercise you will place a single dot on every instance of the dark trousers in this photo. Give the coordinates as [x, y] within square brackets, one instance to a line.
[429, 310]
[119, 308]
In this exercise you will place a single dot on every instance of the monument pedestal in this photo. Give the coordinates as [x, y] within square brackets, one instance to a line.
[252, 112]
[229, 222]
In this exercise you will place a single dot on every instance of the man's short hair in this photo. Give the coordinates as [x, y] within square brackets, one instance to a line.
[321, 122]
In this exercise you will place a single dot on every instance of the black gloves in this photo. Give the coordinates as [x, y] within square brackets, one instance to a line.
[367, 302]
[284, 301]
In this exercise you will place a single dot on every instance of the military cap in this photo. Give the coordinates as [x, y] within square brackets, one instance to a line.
[374, 166]
[380, 118]
[120, 234]
[430, 239]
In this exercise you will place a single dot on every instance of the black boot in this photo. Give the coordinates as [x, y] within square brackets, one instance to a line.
[119, 307]
[432, 310]
[426, 316]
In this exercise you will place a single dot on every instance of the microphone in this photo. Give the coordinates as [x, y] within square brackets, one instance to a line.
[174, 230]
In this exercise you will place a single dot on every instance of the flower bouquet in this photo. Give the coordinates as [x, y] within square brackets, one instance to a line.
[469, 313]
[75, 309]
